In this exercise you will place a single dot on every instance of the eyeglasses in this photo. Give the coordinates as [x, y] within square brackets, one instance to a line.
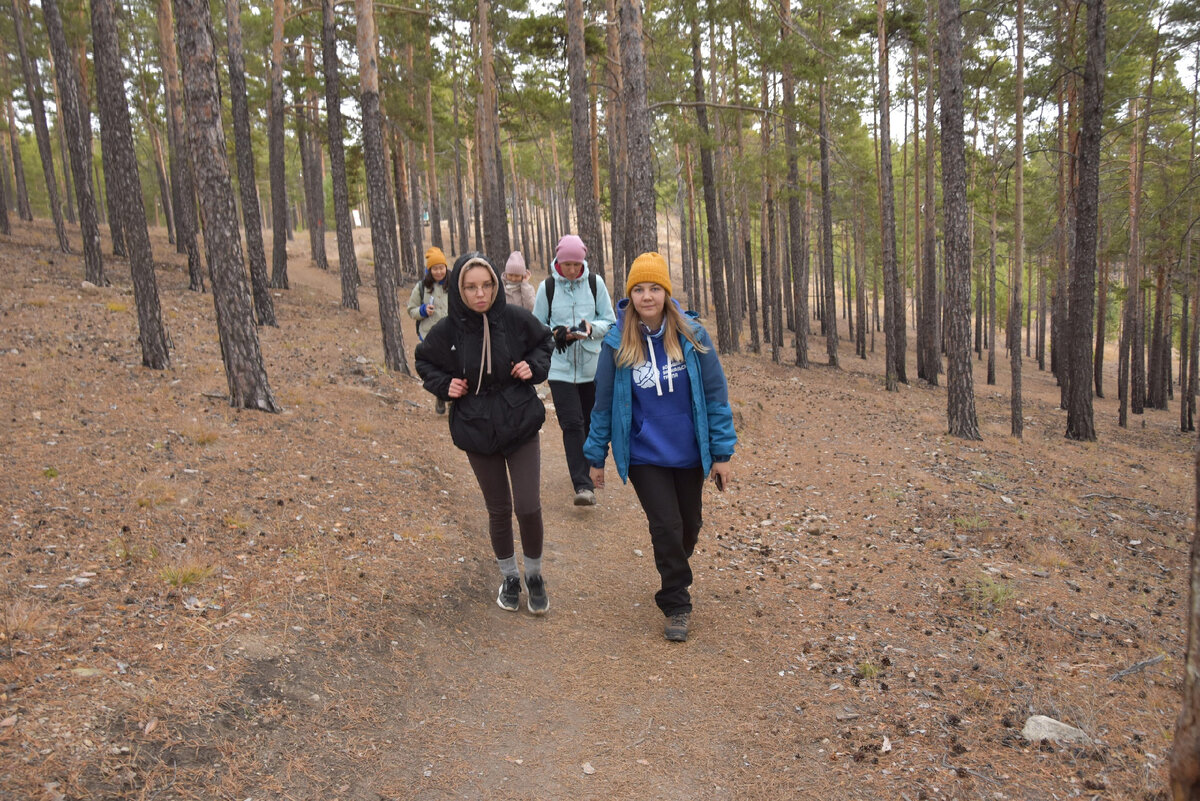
[474, 289]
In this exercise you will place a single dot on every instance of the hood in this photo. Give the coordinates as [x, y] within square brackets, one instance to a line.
[457, 307]
[558, 276]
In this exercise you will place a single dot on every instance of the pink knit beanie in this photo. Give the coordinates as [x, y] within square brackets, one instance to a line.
[570, 248]
[515, 264]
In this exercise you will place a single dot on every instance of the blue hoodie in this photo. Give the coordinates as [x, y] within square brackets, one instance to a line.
[660, 430]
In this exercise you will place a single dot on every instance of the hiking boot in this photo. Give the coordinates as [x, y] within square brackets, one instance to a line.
[538, 601]
[677, 627]
[441, 406]
[585, 497]
[509, 597]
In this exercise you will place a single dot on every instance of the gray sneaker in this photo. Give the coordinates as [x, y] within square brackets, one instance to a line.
[537, 600]
[677, 627]
[509, 597]
[585, 497]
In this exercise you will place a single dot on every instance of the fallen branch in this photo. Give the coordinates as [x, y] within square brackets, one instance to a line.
[1074, 631]
[1137, 667]
[960, 771]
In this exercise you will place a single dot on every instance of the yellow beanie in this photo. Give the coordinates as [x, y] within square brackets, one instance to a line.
[649, 267]
[434, 256]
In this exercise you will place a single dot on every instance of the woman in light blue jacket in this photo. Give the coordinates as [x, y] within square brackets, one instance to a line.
[577, 307]
[662, 401]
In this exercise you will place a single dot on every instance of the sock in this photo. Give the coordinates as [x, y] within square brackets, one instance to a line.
[508, 567]
[533, 567]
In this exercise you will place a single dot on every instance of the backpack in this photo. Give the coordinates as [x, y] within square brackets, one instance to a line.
[550, 292]
[417, 323]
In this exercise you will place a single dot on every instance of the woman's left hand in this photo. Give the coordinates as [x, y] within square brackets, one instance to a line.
[522, 370]
[722, 475]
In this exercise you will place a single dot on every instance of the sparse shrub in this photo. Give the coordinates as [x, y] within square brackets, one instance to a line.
[113, 306]
[970, 523]
[186, 571]
[986, 595]
[21, 620]
[867, 670]
[50, 472]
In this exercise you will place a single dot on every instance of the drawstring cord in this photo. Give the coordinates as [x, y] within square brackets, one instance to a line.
[485, 356]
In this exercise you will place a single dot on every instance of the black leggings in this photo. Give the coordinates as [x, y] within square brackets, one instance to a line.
[672, 499]
[573, 403]
[492, 472]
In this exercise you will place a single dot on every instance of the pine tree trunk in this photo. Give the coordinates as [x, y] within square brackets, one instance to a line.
[114, 115]
[182, 177]
[893, 303]
[495, 219]
[435, 211]
[275, 153]
[33, 93]
[5, 190]
[315, 171]
[347, 260]
[383, 221]
[460, 204]
[22, 192]
[70, 117]
[830, 306]
[409, 261]
[1080, 422]
[65, 160]
[614, 119]
[164, 185]
[264, 306]
[716, 273]
[643, 231]
[581, 147]
[960, 391]
[1184, 762]
[1101, 327]
[244, 371]
[1016, 404]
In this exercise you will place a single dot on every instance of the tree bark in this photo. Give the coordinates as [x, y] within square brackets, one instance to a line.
[22, 192]
[960, 391]
[71, 117]
[1184, 764]
[1080, 422]
[1016, 404]
[893, 301]
[614, 120]
[383, 220]
[264, 306]
[643, 231]
[431, 181]
[275, 153]
[830, 305]
[586, 210]
[182, 176]
[495, 218]
[33, 93]
[347, 261]
[114, 115]
[716, 271]
[244, 371]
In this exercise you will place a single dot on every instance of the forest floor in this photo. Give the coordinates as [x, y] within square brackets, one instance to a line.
[204, 603]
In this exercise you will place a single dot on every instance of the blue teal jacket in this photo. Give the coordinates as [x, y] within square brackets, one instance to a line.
[573, 302]
[612, 415]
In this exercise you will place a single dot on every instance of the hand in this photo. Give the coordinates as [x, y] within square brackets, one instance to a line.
[458, 387]
[522, 370]
[560, 338]
[722, 475]
[597, 475]
[584, 334]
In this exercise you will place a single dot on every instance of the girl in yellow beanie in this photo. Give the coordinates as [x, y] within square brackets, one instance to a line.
[427, 303]
[663, 405]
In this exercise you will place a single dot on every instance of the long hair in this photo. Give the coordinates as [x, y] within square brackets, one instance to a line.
[632, 350]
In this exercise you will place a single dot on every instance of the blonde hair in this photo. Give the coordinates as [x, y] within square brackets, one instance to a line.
[633, 347]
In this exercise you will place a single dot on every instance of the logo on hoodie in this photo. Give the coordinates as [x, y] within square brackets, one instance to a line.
[643, 374]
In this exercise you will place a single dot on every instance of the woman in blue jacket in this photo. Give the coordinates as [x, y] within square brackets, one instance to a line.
[662, 402]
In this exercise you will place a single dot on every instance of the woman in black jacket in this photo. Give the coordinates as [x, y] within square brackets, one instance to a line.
[487, 356]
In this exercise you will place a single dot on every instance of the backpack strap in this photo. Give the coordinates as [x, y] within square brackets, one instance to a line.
[550, 282]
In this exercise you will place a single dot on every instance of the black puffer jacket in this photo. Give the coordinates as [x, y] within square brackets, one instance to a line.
[499, 413]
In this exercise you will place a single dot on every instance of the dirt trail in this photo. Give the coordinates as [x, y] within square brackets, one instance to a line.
[588, 702]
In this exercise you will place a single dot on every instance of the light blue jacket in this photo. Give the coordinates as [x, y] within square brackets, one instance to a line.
[613, 413]
[573, 302]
